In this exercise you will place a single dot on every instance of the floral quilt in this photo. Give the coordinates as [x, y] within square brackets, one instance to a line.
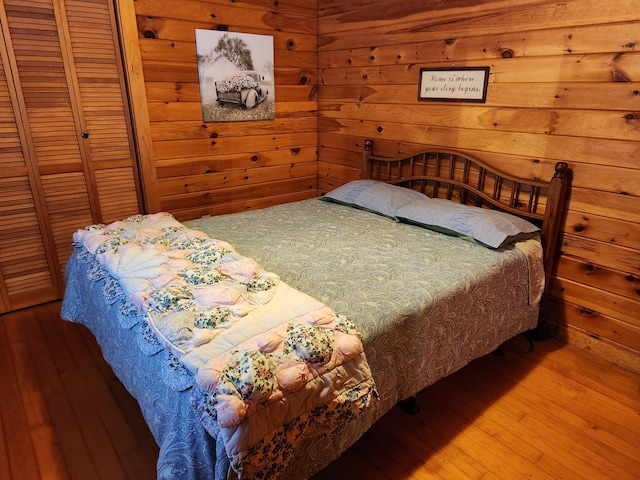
[267, 364]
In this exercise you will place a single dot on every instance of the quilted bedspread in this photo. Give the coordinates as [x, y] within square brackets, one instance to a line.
[426, 303]
[268, 365]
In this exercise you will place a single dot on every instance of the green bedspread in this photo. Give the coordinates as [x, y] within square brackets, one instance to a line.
[426, 303]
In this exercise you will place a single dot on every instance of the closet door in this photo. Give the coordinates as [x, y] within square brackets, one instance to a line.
[70, 106]
[27, 261]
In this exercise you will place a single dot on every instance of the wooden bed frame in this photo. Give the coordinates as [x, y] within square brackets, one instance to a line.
[458, 176]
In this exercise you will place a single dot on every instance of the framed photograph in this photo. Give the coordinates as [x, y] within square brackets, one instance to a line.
[458, 84]
[236, 76]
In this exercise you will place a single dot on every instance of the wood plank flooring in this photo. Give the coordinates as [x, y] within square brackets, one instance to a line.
[556, 412]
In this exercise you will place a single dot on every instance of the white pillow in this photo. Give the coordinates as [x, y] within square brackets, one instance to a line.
[374, 196]
[490, 227]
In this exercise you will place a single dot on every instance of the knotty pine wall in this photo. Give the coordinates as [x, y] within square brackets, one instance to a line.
[564, 85]
[192, 168]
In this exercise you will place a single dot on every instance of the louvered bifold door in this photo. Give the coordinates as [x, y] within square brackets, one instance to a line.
[64, 65]
[101, 88]
[27, 263]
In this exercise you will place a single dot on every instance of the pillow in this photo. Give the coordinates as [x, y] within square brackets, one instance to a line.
[374, 196]
[490, 227]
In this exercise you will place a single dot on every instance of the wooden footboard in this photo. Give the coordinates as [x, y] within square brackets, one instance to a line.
[460, 177]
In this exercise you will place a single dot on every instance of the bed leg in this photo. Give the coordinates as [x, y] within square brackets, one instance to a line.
[410, 405]
[545, 329]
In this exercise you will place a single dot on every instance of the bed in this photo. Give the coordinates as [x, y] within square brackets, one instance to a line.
[423, 296]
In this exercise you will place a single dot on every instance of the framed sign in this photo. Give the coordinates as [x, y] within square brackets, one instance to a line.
[459, 84]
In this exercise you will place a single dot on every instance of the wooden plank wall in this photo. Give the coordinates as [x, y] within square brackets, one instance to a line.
[564, 85]
[192, 168]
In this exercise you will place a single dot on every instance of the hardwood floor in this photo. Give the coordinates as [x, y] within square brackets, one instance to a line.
[554, 413]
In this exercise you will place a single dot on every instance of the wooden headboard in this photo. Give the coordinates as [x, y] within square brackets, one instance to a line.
[460, 177]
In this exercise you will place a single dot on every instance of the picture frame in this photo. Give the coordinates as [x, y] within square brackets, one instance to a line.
[236, 76]
[454, 84]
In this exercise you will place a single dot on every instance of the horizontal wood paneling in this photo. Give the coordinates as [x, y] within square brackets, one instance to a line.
[614, 96]
[544, 69]
[229, 145]
[190, 167]
[563, 86]
[528, 42]
[177, 52]
[175, 167]
[560, 121]
[418, 20]
[237, 194]
[187, 130]
[600, 277]
[275, 17]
